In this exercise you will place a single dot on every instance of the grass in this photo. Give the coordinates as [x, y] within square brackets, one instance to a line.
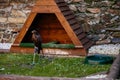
[21, 64]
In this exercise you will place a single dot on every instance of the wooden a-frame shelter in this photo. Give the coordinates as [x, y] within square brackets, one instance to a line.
[55, 22]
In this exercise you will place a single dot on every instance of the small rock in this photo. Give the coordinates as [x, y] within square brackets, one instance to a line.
[94, 37]
[116, 34]
[114, 18]
[26, 11]
[18, 6]
[102, 36]
[17, 13]
[3, 20]
[68, 1]
[115, 40]
[106, 3]
[93, 10]
[7, 9]
[82, 7]
[78, 0]
[17, 20]
[73, 7]
[105, 41]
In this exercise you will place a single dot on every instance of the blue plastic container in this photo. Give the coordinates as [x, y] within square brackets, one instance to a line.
[99, 59]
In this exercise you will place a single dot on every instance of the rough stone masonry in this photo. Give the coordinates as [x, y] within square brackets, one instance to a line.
[93, 15]
[13, 14]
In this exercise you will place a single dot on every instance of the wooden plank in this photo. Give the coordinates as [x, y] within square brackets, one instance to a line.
[82, 35]
[59, 1]
[63, 9]
[70, 17]
[50, 26]
[76, 27]
[4, 50]
[62, 4]
[49, 2]
[65, 13]
[68, 29]
[72, 21]
[84, 40]
[78, 31]
[25, 28]
[55, 35]
[45, 9]
[52, 51]
[75, 52]
[21, 49]
[45, 2]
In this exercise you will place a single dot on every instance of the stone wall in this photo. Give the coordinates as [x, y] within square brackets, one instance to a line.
[93, 15]
[13, 14]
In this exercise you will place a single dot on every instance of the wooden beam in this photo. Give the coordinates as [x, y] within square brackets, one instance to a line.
[45, 9]
[45, 2]
[25, 28]
[51, 51]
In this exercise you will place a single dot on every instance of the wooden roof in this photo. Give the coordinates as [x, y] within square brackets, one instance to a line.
[75, 26]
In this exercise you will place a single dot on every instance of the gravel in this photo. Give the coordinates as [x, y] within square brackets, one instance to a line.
[5, 45]
[110, 49]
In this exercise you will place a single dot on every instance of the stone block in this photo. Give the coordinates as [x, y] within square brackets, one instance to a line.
[1, 34]
[3, 19]
[17, 13]
[116, 34]
[6, 9]
[16, 20]
[2, 13]
[11, 25]
[73, 7]
[19, 25]
[93, 10]
[27, 11]
[82, 7]
[18, 6]
[2, 25]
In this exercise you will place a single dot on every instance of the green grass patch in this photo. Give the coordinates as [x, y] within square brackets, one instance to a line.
[21, 64]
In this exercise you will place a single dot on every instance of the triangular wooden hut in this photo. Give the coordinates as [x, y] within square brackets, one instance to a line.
[55, 22]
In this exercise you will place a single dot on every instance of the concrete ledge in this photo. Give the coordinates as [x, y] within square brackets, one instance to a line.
[16, 77]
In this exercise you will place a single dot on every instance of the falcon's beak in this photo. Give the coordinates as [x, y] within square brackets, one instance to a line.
[31, 31]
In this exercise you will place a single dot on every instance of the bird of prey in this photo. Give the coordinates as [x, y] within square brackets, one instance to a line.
[37, 40]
